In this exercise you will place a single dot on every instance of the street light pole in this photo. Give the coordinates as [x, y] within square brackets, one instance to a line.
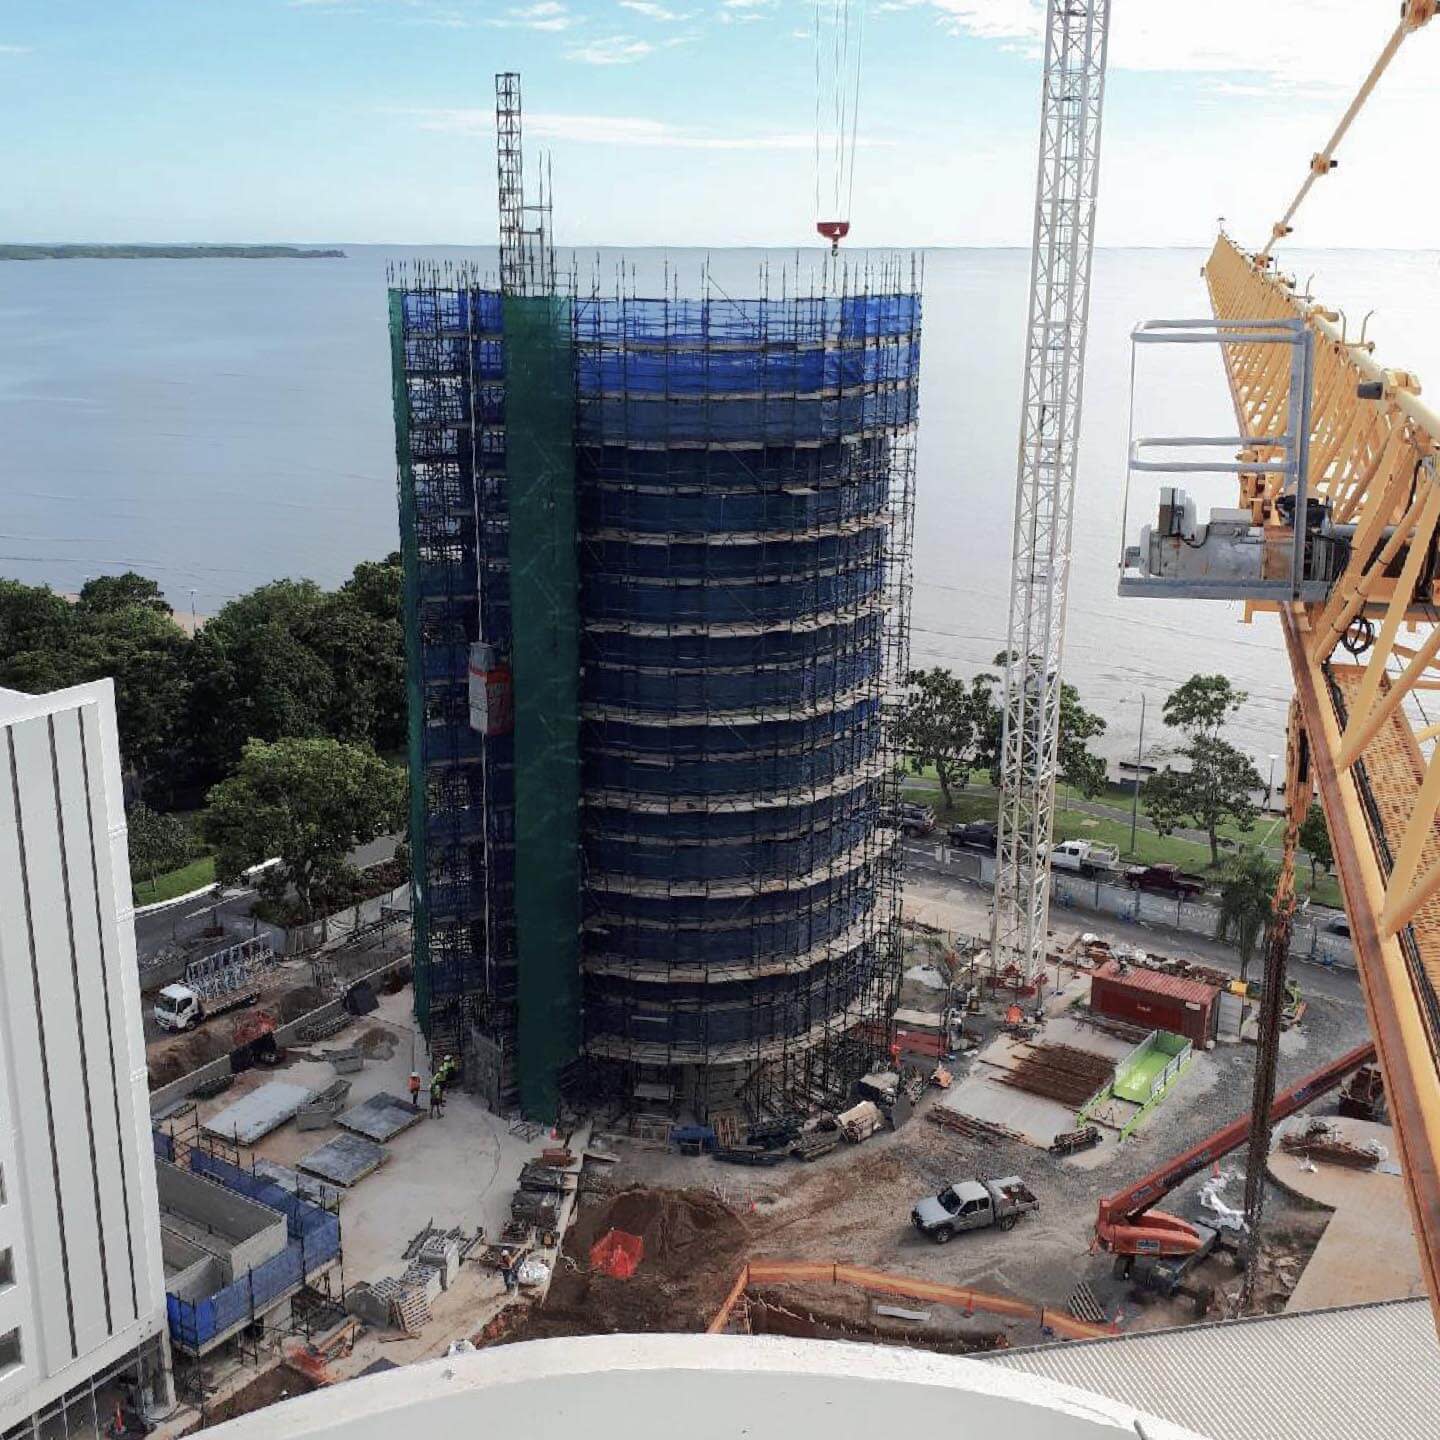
[192, 612]
[1139, 755]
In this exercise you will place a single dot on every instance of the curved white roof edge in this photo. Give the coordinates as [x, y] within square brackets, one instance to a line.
[699, 1387]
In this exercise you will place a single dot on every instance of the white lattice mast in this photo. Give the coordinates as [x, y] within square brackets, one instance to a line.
[1075, 40]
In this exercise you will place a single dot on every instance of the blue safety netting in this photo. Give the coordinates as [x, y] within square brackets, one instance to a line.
[313, 1242]
[730, 689]
[772, 557]
[752, 1011]
[805, 320]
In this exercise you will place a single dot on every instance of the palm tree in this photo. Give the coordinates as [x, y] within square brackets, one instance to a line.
[1247, 891]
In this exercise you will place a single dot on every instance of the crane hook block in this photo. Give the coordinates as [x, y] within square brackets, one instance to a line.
[834, 231]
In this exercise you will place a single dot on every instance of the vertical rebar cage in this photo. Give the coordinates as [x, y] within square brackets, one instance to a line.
[743, 490]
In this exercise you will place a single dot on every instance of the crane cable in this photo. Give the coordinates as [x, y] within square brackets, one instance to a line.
[1413, 14]
[839, 43]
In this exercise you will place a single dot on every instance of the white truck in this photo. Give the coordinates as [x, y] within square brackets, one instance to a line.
[178, 1007]
[1085, 857]
[973, 1205]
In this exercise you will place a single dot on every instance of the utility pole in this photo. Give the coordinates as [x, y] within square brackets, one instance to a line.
[1139, 759]
[1068, 176]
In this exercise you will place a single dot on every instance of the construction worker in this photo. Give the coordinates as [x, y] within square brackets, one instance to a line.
[415, 1088]
[448, 1068]
[437, 1097]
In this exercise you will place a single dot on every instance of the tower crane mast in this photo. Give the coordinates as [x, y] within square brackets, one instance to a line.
[1076, 35]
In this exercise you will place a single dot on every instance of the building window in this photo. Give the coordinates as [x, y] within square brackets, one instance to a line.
[9, 1351]
[7, 1268]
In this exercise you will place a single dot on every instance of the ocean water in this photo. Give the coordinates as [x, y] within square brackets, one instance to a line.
[218, 423]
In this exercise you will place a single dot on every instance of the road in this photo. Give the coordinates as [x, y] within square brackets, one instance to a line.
[1121, 814]
[230, 907]
[929, 875]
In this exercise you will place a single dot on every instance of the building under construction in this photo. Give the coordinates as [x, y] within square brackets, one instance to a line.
[656, 558]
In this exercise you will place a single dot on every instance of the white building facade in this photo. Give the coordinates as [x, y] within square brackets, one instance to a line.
[82, 1294]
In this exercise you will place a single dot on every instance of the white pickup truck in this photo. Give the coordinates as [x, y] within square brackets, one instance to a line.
[1085, 857]
[973, 1205]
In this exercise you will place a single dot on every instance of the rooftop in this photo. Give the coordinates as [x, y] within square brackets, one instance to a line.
[1157, 982]
[1307, 1375]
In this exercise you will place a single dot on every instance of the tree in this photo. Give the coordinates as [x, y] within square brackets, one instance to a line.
[1203, 704]
[1217, 787]
[1218, 781]
[32, 619]
[1247, 890]
[1078, 727]
[158, 843]
[308, 801]
[107, 593]
[115, 630]
[947, 724]
[1315, 840]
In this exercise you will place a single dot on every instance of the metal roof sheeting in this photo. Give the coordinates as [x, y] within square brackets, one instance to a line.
[1156, 982]
[1312, 1375]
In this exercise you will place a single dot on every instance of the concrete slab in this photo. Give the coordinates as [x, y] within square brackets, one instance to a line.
[380, 1118]
[255, 1115]
[305, 1186]
[344, 1160]
[1038, 1119]
[457, 1171]
[1368, 1250]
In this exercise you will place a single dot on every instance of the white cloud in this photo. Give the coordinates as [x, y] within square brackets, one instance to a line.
[547, 15]
[654, 12]
[612, 50]
[15, 50]
[630, 130]
[1297, 44]
[746, 4]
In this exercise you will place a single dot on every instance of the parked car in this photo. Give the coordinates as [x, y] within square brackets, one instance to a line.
[1165, 880]
[977, 835]
[1084, 857]
[973, 1205]
[914, 821]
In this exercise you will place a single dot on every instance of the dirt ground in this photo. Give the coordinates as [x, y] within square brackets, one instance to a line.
[854, 1204]
[695, 1245]
[279, 1382]
[844, 1314]
[287, 991]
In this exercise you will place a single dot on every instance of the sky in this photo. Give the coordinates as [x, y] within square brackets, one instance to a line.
[689, 122]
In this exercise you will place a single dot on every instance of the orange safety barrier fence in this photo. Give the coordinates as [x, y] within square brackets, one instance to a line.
[884, 1282]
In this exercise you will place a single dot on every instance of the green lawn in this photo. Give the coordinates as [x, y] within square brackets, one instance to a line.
[1150, 848]
[176, 882]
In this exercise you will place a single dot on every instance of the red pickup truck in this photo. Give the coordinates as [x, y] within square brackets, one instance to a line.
[1165, 880]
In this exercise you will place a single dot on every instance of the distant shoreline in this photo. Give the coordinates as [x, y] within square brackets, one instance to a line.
[166, 252]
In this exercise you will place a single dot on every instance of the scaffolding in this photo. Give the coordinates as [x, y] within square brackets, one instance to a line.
[746, 485]
[705, 861]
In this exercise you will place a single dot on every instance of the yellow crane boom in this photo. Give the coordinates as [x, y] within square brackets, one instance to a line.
[1363, 658]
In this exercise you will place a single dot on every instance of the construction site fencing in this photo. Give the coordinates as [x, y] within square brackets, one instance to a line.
[886, 1283]
[313, 1244]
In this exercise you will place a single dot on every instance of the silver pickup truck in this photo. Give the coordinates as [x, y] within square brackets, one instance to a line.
[973, 1205]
